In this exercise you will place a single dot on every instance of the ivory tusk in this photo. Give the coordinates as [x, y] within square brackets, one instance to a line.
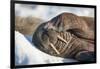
[62, 39]
[54, 48]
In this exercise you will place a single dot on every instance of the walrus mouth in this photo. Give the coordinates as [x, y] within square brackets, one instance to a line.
[62, 39]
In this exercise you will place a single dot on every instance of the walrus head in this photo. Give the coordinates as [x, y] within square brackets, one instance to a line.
[47, 36]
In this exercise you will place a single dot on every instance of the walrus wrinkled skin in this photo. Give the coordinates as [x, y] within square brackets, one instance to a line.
[68, 26]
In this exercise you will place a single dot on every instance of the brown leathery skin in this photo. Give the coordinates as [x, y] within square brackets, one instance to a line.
[66, 25]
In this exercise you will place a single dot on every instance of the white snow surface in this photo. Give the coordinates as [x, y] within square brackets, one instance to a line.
[26, 53]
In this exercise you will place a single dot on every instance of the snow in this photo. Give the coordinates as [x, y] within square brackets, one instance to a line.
[26, 53]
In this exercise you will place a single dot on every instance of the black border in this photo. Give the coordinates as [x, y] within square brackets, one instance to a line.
[12, 32]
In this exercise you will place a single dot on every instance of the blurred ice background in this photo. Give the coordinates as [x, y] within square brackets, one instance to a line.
[25, 52]
[48, 12]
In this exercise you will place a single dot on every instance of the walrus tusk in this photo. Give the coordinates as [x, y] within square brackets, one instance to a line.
[59, 37]
[54, 48]
[62, 40]
[67, 42]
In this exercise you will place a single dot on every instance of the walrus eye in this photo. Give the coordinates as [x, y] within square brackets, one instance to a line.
[73, 31]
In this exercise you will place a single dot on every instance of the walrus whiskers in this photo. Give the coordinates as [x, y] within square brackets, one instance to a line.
[62, 39]
[59, 37]
[67, 42]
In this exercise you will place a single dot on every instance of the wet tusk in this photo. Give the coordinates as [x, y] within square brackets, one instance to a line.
[54, 48]
[62, 39]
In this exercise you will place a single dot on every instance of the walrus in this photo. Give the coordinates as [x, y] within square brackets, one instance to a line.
[66, 35]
